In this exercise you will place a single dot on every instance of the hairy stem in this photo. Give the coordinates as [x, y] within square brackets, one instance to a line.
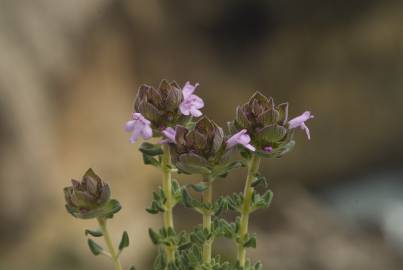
[167, 188]
[108, 242]
[208, 200]
[253, 168]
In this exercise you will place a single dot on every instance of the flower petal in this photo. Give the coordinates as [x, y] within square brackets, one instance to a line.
[130, 125]
[189, 89]
[250, 147]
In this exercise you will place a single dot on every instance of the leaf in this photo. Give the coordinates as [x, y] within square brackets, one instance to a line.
[251, 242]
[132, 268]
[94, 247]
[108, 210]
[272, 133]
[283, 112]
[155, 238]
[186, 198]
[268, 117]
[260, 179]
[192, 163]
[268, 197]
[149, 111]
[151, 149]
[124, 242]
[95, 233]
[150, 160]
[200, 187]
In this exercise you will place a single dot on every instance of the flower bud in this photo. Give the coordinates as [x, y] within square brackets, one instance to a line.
[161, 106]
[266, 124]
[200, 150]
[90, 197]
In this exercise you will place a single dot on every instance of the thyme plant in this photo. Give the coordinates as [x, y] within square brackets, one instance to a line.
[189, 143]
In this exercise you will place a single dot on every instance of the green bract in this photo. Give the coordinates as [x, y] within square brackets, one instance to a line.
[202, 150]
[161, 106]
[90, 198]
[266, 124]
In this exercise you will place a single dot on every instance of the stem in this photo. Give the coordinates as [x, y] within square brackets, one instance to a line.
[167, 188]
[253, 168]
[108, 241]
[207, 199]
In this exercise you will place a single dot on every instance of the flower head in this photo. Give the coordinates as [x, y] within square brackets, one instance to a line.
[160, 105]
[241, 138]
[201, 150]
[299, 121]
[140, 127]
[90, 197]
[265, 124]
[191, 103]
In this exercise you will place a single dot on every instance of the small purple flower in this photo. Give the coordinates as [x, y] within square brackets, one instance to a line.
[170, 135]
[191, 103]
[242, 138]
[299, 121]
[140, 127]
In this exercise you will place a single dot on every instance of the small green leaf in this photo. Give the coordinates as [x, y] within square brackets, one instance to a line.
[150, 149]
[186, 198]
[155, 238]
[95, 233]
[268, 196]
[260, 179]
[200, 187]
[132, 268]
[124, 242]
[94, 247]
[150, 160]
[251, 242]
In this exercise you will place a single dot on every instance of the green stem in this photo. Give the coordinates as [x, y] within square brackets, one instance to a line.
[253, 168]
[108, 241]
[208, 200]
[167, 188]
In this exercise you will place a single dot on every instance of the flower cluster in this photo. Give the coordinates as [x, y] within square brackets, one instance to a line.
[192, 144]
[263, 127]
[157, 110]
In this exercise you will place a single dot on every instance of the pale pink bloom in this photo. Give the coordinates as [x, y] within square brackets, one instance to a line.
[299, 121]
[191, 104]
[241, 138]
[169, 134]
[140, 127]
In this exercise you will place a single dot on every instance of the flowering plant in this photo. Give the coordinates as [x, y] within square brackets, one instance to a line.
[192, 144]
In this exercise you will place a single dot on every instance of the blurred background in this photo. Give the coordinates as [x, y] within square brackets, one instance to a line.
[69, 71]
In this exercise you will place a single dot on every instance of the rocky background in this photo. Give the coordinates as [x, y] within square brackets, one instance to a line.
[69, 71]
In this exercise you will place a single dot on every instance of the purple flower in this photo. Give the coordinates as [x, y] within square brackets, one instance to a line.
[299, 121]
[140, 127]
[191, 103]
[170, 135]
[240, 138]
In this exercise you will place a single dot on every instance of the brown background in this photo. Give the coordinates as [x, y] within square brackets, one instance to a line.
[69, 71]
